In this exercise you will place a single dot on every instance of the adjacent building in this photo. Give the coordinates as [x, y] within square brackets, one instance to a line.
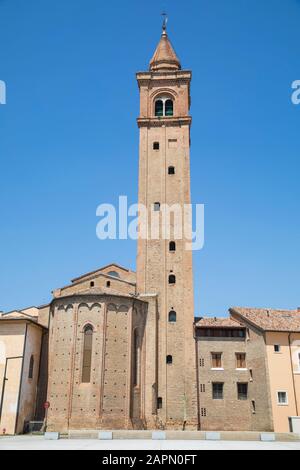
[22, 339]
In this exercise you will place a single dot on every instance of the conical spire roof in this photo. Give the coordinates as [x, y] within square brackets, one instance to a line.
[164, 57]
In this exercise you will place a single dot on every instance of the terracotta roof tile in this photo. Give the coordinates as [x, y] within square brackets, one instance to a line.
[269, 319]
[164, 57]
[217, 323]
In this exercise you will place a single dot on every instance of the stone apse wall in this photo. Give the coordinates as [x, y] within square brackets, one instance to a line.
[114, 395]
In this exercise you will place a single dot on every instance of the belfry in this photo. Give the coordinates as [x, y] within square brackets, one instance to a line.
[164, 266]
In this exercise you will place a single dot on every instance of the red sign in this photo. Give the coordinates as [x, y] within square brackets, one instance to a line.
[46, 405]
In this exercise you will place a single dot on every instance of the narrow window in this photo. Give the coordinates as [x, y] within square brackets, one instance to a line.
[92, 284]
[171, 170]
[172, 316]
[217, 391]
[136, 358]
[282, 398]
[108, 284]
[155, 145]
[169, 108]
[159, 108]
[172, 246]
[202, 388]
[156, 206]
[277, 348]
[31, 366]
[216, 360]
[169, 359]
[241, 361]
[251, 375]
[242, 391]
[172, 279]
[159, 403]
[253, 406]
[87, 354]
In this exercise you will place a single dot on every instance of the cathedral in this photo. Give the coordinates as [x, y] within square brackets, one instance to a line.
[116, 349]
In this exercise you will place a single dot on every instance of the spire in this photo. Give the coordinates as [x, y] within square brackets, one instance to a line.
[164, 57]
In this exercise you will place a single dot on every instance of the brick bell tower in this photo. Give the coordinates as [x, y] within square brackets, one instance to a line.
[164, 265]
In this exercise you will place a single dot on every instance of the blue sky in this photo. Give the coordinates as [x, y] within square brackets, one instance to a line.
[70, 65]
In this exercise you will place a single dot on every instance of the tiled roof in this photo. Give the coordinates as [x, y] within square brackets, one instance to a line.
[217, 323]
[269, 319]
[164, 56]
[112, 265]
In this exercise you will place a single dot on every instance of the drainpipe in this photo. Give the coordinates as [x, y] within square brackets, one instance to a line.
[293, 375]
[21, 380]
[197, 379]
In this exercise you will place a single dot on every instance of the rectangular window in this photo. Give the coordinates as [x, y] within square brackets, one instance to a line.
[240, 360]
[221, 333]
[277, 348]
[159, 403]
[216, 359]
[217, 391]
[155, 145]
[242, 391]
[282, 398]
[156, 206]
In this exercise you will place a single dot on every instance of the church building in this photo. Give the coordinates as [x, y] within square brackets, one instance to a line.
[116, 349]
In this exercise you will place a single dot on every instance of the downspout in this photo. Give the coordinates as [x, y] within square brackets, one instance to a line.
[293, 375]
[21, 380]
[197, 380]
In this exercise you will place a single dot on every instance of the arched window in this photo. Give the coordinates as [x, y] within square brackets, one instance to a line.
[31, 367]
[113, 274]
[136, 358]
[172, 246]
[172, 316]
[169, 359]
[171, 170]
[169, 108]
[164, 106]
[87, 354]
[159, 108]
[172, 279]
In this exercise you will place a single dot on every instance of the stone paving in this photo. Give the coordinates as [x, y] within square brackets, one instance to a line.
[39, 443]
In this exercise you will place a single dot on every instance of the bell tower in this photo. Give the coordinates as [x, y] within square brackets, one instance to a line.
[164, 264]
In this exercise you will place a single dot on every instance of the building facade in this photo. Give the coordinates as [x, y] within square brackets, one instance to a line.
[116, 349]
[22, 340]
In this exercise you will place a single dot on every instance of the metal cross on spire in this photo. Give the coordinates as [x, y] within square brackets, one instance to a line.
[165, 21]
